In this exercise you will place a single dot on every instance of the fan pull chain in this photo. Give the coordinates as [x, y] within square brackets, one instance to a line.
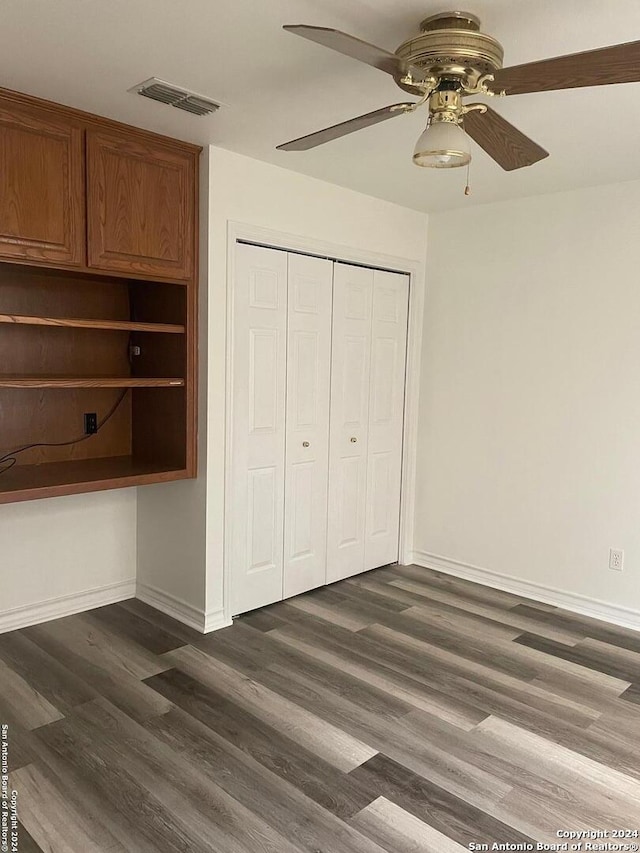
[467, 189]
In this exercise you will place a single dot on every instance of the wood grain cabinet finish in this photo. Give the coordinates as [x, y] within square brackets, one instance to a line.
[41, 186]
[140, 206]
[98, 302]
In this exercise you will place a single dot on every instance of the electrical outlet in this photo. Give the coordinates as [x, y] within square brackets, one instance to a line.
[90, 423]
[616, 559]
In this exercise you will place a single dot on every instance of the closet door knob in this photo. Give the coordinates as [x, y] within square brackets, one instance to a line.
[305, 444]
[353, 439]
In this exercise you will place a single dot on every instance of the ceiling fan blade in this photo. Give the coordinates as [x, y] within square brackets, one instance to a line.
[617, 64]
[342, 129]
[508, 146]
[351, 46]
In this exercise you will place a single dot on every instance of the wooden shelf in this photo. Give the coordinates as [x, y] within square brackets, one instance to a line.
[27, 482]
[89, 382]
[106, 325]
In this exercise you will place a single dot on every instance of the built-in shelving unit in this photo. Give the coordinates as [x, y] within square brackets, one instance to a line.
[98, 302]
[76, 343]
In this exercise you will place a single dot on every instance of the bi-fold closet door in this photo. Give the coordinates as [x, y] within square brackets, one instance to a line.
[280, 415]
[367, 418]
[317, 414]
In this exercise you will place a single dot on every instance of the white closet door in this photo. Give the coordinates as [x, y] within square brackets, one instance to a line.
[351, 352]
[386, 417]
[307, 448]
[258, 437]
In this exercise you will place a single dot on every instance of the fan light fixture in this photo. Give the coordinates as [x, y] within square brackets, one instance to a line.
[442, 145]
[447, 61]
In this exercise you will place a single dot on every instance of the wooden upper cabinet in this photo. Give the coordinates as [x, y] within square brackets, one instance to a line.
[140, 206]
[41, 186]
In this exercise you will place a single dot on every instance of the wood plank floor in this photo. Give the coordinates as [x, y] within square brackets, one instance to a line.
[402, 711]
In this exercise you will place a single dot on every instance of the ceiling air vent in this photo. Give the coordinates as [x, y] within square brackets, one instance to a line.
[183, 99]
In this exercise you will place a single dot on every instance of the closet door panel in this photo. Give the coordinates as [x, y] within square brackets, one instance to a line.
[386, 417]
[307, 423]
[258, 443]
[351, 351]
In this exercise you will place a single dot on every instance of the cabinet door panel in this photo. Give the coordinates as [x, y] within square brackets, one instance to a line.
[352, 301]
[308, 374]
[41, 186]
[258, 437]
[140, 206]
[386, 417]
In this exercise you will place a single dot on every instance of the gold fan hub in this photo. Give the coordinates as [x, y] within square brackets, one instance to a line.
[452, 46]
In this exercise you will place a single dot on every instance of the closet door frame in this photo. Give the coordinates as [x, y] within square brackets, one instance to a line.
[239, 232]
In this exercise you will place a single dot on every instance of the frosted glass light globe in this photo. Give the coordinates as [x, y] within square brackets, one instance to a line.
[442, 145]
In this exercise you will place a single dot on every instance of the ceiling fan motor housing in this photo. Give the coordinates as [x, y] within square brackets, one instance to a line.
[451, 46]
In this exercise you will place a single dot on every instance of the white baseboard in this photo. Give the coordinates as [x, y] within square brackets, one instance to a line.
[216, 619]
[172, 606]
[68, 605]
[182, 610]
[65, 605]
[613, 613]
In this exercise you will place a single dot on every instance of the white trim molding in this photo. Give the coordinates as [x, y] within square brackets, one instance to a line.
[582, 604]
[415, 268]
[181, 610]
[175, 607]
[65, 605]
[215, 619]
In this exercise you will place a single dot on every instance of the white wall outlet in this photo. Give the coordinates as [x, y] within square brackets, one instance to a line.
[616, 559]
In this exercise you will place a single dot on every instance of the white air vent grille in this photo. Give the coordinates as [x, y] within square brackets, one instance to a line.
[182, 99]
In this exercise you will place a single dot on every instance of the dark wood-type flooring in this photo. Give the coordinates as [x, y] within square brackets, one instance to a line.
[402, 710]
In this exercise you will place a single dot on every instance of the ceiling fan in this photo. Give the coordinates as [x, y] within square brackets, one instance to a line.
[450, 60]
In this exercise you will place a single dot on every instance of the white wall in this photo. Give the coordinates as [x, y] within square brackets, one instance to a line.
[259, 194]
[65, 547]
[172, 536]
[529, 457]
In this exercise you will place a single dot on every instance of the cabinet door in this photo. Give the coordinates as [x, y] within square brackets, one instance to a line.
[258, 435]
[386, 417]
[41, 186]
[307, 443]
[140, 206]
[352, 299]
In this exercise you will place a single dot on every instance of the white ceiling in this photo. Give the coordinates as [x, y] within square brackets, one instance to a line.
[87, 53]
